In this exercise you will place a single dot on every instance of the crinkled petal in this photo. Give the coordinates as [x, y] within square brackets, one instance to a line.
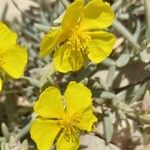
[96, 15]
[1, 83]
[43, 132]
[72, 15]
[7, 37]
[65, 143]
[78, 97]
[49, 104]
[65, 59]
[86, 119]
[13, 60]
[100, 46]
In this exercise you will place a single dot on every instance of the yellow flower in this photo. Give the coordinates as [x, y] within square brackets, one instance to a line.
[80, 37]
[13, 58]
[62, 117]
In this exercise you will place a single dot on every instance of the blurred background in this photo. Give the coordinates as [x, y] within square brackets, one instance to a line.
[120, 85]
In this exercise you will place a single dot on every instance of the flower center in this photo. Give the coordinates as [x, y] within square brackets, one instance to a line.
[79, 40]
[68, 124]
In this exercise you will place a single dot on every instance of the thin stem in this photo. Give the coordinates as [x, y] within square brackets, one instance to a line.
[25, 130]
[125, 32]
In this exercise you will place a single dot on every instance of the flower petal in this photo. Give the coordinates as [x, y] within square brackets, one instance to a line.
[1, 83]
[96, 15]
[43, 132]
[7, 37]
[57, 36]
[52, 39]
[13, 60]
[49, 104]
[49, 42]
[78, 97]
[86, 119]
[100, 46]
[64, 143]
[72, 14]
[66, 60]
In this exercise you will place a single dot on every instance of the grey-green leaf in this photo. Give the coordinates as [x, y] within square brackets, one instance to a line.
[144, 56]
[123, 60]
[5, 130]
[108, 128]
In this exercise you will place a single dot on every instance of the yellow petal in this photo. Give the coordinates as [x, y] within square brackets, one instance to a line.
[49, 42]
[65, 59]
[1, 83]
[49, 104]
[100, 46]
[96, 15]
[72, 14]
[64, 143]
[7, 37]
[13, 60]
[86, 120]
[78, 97]
[43, 132]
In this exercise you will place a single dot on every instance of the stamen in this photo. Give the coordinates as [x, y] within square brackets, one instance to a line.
[68, 124]
[78, 40]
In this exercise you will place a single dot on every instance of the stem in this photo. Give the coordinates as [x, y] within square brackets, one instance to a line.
[147, 13]
[10, 108]
[116, 5]
[125, 32]
[25, 130]
[41, 27]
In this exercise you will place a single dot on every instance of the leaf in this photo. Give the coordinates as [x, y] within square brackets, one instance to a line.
[2, 146]
[145, 56]
[13, 140]
[33, 81]
[108, 128]
[111, 75]
[24, 145]
[107, 95]
[139, 93]
[122, 115]
[48, 70]
[146, 101]
[108, 62]
[5, 131]
[145, 118]
[59, 19]
[104, 84]
[123, 60]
